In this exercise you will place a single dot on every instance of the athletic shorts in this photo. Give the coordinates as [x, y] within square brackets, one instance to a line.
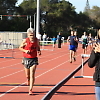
[72, 47]
[28, 62]
[84, 46]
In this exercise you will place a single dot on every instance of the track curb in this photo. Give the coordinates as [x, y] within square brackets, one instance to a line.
[57, 86]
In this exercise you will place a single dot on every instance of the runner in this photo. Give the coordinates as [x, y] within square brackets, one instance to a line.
[84, 39]
[72, 46]
[90, 38]
[76, 42]
[29, 47]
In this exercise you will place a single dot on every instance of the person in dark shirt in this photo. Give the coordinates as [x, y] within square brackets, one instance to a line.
[59, 40]
[91, 40]
[94, 60]
[84, 39]
[72, 46]
[76, 42]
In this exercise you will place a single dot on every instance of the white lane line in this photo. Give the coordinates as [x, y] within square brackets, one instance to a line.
[11, 89]
[10, 65]
[35, 77]
[52, 69]
[23, 69]
[11, 74]
[20, 62]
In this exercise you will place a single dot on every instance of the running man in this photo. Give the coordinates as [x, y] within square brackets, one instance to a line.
[91, 40]
[84, 39]
[72, 46]
[29, 47]
[76, 42]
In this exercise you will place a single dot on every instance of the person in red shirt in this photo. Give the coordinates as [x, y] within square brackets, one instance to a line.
[30, 46]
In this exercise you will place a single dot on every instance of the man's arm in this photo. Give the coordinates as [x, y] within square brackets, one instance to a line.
[21, 47]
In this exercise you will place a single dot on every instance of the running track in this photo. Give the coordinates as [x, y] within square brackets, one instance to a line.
[53, 67]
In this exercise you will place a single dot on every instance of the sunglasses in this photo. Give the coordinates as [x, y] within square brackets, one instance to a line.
[31, 35]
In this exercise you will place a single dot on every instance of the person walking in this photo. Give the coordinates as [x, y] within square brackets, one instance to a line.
[59, 37]
[54, 39]
[30, 47]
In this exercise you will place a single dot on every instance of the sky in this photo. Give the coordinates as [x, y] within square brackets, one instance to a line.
[79, 4]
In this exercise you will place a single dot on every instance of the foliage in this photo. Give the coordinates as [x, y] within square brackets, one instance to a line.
[55, 16]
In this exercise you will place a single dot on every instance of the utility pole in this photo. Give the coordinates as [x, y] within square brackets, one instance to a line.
[34, 22]
[38, 17]
[30, 22]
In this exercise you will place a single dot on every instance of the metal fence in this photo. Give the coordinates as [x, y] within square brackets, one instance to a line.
[11, 38]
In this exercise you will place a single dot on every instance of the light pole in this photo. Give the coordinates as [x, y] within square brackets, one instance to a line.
[30, 22]
[34, 22]
[38, 17]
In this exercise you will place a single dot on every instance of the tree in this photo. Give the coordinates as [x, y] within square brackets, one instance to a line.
[94, 14]
[7, 6]
[57, 16]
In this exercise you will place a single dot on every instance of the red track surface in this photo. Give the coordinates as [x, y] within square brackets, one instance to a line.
[53, 67]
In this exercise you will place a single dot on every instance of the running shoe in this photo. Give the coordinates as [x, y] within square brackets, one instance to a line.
[70, 61]
[30, 92]
[74, 58]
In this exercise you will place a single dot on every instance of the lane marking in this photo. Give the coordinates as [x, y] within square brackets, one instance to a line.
[23, 69]
[20, 62]
[35, 77]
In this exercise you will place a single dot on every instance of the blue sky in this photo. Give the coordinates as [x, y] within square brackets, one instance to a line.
[80, 4]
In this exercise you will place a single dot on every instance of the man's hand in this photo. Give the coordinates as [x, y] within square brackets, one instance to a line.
[97, 48]
[27, 51]
[39, 52]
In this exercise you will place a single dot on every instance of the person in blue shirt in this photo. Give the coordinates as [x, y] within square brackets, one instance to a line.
[54, 39]
[72, 46]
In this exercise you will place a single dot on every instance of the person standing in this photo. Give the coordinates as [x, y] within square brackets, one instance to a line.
[59, 37]
[94, 61]
[44, 37]
[30, 47]
[84, 39]
[72, 46]
[38, 36]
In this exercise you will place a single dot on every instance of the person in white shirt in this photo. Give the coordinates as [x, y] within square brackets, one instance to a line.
[38, 36]
[44, 37]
